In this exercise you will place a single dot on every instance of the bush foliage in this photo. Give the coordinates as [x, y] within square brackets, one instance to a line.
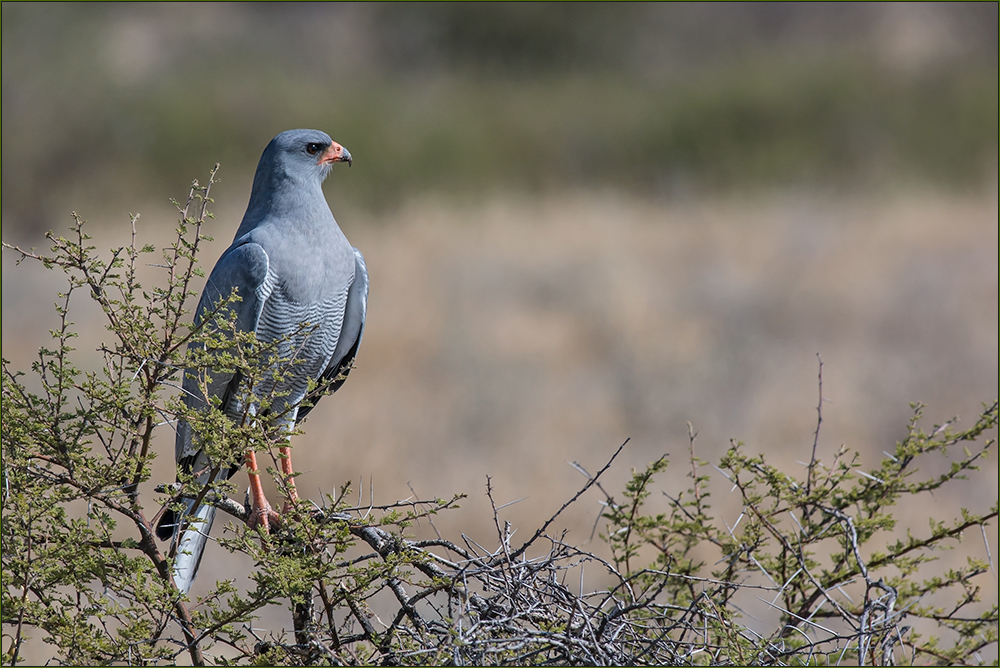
[831, 576]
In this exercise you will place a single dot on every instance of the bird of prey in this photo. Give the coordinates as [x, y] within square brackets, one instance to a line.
[302, 287]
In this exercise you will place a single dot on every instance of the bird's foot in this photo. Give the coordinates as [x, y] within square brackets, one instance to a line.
[263, 517]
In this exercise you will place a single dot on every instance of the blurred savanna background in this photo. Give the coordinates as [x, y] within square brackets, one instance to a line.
[584, 223]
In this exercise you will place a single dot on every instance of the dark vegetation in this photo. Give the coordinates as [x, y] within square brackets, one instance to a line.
[455, 99]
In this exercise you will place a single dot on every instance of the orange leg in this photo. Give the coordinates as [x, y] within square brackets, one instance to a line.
[261, 513]
[287, 471]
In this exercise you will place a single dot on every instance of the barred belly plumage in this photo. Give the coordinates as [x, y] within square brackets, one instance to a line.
[306, 336]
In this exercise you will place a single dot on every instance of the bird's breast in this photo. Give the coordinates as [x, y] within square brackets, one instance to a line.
[311, 269]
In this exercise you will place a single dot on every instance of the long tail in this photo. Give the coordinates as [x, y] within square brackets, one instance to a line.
[188, 548]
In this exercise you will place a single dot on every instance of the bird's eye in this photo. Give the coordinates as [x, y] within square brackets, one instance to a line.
[313, 149]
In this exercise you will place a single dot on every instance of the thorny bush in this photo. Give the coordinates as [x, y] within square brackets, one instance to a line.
[81, 570]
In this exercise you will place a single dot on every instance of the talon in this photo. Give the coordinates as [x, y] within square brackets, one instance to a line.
[261, 513]
[264, 517]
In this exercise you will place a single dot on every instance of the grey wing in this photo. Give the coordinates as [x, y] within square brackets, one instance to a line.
[242, 267]
[355, 311]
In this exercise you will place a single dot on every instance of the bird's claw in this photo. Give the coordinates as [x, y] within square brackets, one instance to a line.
[263, 517]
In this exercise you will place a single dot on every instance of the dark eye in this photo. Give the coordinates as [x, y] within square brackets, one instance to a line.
[313, 149]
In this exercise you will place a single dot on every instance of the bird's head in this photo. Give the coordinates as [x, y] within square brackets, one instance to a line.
[305, 152]
[288, 182]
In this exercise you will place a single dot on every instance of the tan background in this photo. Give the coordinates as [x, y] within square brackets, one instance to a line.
[517, 325]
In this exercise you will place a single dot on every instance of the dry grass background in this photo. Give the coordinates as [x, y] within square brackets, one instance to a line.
[523, 316]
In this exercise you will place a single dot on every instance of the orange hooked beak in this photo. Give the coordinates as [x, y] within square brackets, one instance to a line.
[336, 153]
